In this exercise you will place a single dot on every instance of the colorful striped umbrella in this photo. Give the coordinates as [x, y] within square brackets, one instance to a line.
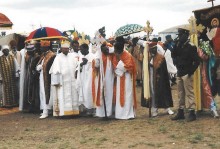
[45, 33]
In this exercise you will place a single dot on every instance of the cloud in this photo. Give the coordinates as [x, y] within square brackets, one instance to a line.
[51, 4]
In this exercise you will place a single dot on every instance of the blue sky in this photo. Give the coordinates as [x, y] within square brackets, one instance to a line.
[89, 15]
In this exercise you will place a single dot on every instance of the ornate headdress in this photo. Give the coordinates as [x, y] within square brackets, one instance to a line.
[83, 39]
[65, 44]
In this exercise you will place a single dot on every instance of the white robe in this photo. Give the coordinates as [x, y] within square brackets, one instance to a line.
[169, 61]
[22, 78]
[84, 81]
[43, 105]
[127, 111]
[63, 85]
[106, 83]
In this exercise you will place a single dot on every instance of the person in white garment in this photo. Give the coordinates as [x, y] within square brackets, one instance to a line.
[75, 48]
[22, 77]
[43, 67]
[84, 81]
[104, 75]
[63, 83]
[168, 46]
[125, 70]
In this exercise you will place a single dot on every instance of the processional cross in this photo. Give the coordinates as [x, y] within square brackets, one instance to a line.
[148, 29]
[212, 2]
[193, 27]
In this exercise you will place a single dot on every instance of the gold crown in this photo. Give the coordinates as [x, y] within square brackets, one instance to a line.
[83, 39]
[65, 44]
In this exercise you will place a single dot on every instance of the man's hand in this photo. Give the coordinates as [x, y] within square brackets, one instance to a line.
[84, 62]
[76, 72]
[39, 67]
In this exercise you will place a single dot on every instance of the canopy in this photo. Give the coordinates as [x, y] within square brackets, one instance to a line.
[128, 29]
[5, 23]
[45, 33]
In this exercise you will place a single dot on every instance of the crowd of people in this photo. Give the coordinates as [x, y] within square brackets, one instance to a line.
[100, 78]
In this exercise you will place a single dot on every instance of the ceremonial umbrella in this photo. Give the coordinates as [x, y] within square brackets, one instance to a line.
[5, 23]
[128, 29]
[45, 33]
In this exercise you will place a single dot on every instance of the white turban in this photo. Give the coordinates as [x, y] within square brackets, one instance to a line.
[5, 47]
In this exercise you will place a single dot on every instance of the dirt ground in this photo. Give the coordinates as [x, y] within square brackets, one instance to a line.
[22, 130]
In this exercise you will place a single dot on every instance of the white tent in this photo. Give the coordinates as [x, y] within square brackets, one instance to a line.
[5, 40]
[170, 31]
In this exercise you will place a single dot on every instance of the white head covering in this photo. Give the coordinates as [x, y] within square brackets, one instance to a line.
[5, 47]
[65, 44]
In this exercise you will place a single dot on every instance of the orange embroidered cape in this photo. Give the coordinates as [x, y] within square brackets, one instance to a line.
[95, 73]
[129, 64]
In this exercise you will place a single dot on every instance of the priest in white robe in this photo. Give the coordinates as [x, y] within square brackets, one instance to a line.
[125, 70]
[22, 78]
[103, 81]
[84, 80]
[63, 83]
[43, 67]
[75, 48]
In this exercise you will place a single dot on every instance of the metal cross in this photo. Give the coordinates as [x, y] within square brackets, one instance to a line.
[148, 29]
[193, 28]
[212, 2]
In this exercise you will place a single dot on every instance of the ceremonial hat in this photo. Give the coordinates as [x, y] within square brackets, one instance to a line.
[152, 44]
[44, 43]
[168, 37]
[154, 40]
[184, 29]
[30, 47]
[65, 44]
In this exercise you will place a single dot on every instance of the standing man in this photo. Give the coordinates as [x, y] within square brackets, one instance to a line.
[84, 79]
[15, 52]
[138, 57]
[75, 48]
[30, 89]
[103, 90]
[17, 55]
[9, 70]
[125, 70]
[43, 67]
[168, 47]
[159, 80]
[63, 89]
[186, 59]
